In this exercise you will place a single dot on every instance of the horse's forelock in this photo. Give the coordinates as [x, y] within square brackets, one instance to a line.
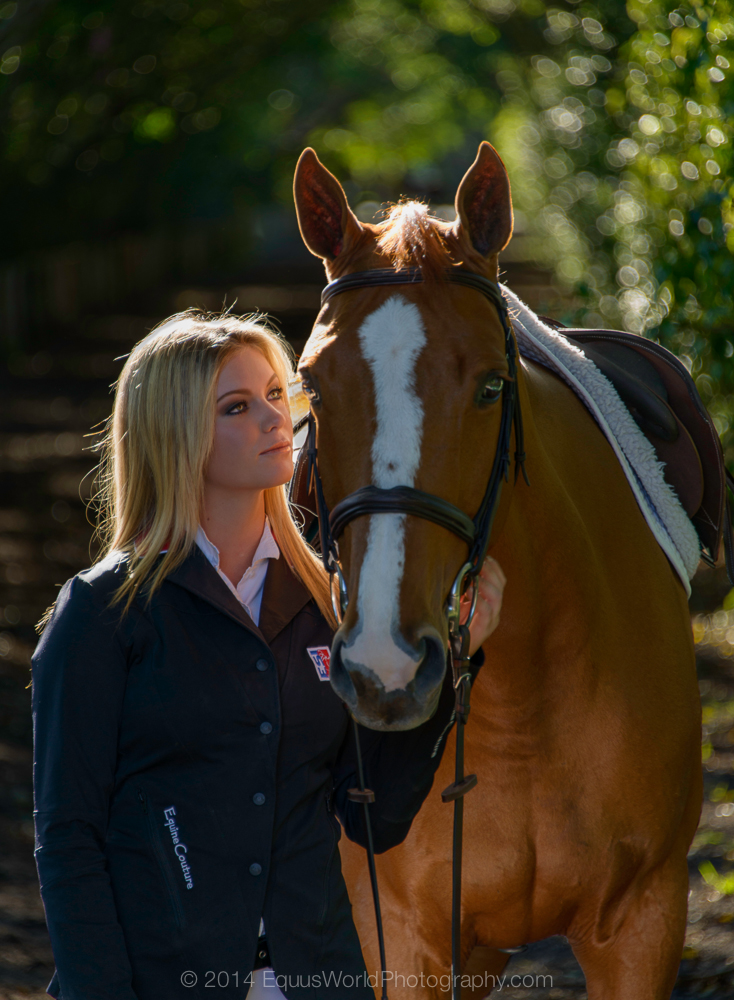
[411, 237]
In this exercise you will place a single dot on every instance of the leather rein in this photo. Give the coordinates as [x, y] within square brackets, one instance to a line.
[474, 531]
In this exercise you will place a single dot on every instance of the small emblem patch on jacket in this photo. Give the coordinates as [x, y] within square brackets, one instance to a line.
[320, 656]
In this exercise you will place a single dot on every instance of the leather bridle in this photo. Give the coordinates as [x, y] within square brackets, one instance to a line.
[474, 531]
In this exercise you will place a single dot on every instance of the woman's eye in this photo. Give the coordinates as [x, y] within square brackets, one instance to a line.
[492, 388]
[276, 393]
[237, 407]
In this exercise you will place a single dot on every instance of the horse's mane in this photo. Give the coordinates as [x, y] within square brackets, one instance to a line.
[412, 238]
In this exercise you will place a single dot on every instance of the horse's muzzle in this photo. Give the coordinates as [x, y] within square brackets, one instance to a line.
[405, 708]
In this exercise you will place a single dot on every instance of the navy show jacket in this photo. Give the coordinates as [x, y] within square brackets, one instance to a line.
[189, 770]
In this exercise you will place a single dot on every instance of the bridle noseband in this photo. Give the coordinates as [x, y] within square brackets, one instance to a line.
[406, 499]
[474, 531]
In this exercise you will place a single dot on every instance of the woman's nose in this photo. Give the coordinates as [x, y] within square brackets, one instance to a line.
[273, 416]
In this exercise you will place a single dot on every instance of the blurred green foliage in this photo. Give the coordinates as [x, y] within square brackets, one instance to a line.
[623, 149]
[616, 124]
[135, 114]
[722, 883]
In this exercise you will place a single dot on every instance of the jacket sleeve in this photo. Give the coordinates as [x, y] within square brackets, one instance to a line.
[79, 675]
[399, 768]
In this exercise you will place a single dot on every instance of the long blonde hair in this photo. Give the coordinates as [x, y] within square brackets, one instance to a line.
[159, 438]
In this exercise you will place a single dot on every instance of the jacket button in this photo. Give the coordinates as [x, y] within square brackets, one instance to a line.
[265, 728]
[262, 664]
[258, 798]
[255, 869]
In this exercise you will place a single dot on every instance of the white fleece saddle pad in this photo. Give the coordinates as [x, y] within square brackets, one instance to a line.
[660, 507]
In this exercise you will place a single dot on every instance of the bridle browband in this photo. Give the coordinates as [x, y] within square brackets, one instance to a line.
[474, 531]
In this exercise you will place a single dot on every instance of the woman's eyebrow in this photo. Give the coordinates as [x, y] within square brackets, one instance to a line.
[247, 392]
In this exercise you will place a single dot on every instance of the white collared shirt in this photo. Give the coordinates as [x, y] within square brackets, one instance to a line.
[249, 591]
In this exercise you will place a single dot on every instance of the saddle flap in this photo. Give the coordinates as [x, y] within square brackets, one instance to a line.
[639, 386]
[694, 462]
[683, 470]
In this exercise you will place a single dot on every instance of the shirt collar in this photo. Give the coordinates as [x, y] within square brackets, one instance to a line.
[267, 547]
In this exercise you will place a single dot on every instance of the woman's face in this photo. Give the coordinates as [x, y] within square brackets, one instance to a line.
[253, 437]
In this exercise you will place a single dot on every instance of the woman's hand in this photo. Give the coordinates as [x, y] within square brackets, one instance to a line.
[491, 583]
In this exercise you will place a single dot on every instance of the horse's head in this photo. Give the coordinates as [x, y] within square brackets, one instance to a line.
[405, 384]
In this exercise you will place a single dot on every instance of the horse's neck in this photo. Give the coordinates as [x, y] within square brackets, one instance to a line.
[546, 553]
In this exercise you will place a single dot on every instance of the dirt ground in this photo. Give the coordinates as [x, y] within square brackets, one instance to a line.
[26, 963]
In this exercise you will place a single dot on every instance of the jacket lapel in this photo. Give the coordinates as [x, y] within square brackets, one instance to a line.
[197, 575]
[283, 597]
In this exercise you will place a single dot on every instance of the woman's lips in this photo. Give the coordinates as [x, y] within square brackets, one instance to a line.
[280, 446]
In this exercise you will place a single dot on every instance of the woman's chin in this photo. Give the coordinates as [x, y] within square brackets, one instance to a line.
[280, 471]
[268, 472]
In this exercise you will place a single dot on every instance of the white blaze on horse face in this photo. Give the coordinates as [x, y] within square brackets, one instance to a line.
[391, 340]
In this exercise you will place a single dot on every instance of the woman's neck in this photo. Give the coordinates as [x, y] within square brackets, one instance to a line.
[234, 522]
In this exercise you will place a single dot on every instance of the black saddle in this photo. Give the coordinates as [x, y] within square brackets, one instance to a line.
[662, 398]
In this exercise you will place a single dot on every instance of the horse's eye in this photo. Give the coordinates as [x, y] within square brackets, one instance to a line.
[492, 388]
[309, 392]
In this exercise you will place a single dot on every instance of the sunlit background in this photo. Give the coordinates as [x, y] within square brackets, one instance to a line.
[146, 161]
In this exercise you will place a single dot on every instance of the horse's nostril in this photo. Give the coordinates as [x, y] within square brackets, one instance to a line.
[429, 674]
[372, 704]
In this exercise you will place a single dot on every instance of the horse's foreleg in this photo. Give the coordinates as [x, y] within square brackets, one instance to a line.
[634, 951]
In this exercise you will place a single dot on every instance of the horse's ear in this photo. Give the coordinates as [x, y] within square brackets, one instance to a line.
[483, 203]
[325, 219]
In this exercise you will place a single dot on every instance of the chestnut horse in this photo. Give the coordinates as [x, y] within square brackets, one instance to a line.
[585, 722]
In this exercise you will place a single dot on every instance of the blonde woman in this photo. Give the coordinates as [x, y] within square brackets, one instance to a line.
[190, 763]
